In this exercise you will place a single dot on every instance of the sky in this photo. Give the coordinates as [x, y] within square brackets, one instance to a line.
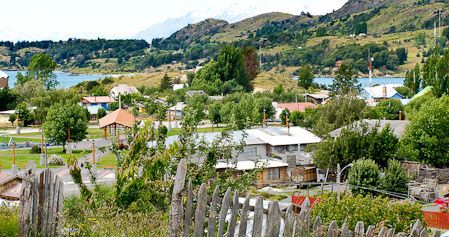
[120, 19]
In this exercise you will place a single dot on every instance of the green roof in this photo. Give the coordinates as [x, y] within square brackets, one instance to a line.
[424, 91]
[93, 109]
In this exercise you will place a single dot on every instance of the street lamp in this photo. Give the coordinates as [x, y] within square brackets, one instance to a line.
[264, 121]
[339, 176]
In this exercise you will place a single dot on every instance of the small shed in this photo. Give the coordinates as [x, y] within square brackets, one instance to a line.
[117, 119]
[10, 186]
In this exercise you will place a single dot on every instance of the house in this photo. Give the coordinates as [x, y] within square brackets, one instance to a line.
[377, 93]
[273, 144]
[3, 79]
[318, 98]
[93, 111]
[122, 89]
[179, 86]
[10, 186]
[142, 108]
[193, 92]
[291, 107]
[338, 63]
[102, 101]
[398, 126]
[4, 118]
[176, 110]
[274, 171]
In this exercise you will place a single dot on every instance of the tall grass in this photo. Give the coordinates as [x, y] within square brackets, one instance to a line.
[8, 220]
[106, 219]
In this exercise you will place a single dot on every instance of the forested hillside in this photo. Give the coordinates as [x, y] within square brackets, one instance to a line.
[397, 33]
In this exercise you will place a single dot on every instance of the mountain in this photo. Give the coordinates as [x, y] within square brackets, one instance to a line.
[232, 14]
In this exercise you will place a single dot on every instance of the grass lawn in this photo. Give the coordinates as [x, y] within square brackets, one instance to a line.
[23, 156]
[108, 159]
[95, 133]
[176, 131]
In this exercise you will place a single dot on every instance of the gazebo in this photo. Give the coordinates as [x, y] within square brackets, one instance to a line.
[120, 117]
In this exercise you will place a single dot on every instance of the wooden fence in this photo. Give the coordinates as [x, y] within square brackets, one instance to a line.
[271, 222]
[40, 207]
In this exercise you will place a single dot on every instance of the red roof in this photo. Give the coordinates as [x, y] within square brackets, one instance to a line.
[120, 116]
[296, 106]
[97, 99]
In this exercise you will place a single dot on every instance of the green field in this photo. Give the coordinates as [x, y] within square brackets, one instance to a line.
[23, 156]
[93, 133]
[108, 159]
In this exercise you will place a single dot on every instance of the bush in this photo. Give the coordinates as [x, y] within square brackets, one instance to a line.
[364, 173]
[395, 179]
[101, 113]
[55, 160]
[35, 150]
[8, 220]
[351, 209]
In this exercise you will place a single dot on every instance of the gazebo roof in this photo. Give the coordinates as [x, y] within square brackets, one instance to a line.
[120, 116]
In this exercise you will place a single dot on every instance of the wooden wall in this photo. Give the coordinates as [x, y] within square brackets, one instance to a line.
[264, 181]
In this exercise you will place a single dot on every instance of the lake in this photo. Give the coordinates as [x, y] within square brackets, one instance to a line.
[65, 80]
[364, 81]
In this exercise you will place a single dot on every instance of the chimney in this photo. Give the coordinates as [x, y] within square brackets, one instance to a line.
[384, 91]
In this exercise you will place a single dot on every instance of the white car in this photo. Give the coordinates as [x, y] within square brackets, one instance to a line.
[445, 234]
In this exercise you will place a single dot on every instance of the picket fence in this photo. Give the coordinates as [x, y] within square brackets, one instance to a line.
[271, 222]
[40, 206]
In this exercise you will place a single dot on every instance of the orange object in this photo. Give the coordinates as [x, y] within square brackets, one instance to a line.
[438, 220]
[69, 134]
[42, 147]
[93, 153]
[14, 153]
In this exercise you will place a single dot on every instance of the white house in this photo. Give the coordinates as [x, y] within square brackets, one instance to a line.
[287, 145]
[377, 93]
[122, 89]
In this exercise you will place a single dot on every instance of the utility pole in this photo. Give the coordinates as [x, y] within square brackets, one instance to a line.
[260, 52]
[14, 169]
[370, 69]
[439, 23]
[414, 82]
[264, 121]
[338, 182]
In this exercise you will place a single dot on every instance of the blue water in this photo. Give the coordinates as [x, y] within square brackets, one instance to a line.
[364, 81]
[65, 80]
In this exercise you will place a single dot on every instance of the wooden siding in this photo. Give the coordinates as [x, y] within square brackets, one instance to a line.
[264, 181]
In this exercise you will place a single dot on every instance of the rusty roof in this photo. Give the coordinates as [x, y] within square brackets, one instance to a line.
[98, 99]
[5, 178]
[12, 193]
[120, 117]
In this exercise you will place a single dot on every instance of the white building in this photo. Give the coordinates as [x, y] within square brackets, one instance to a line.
[122, 89]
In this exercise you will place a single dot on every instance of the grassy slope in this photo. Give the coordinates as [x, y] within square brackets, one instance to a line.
[239, 30]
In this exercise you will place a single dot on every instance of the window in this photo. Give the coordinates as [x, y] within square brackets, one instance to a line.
[250, 152]
[292, 148]
[302, 147]
[273, 173]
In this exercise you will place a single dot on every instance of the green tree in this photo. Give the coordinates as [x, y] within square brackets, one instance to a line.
[395, 178]
[8, 99]
[413, 79]
[214, 113]
[208, 79]
[306, 76]
[357, 141]
[41, 68]
[190, 77]
[436, 73]
[402, 55]
[425, 138]
[283, 116]
[12, 118]
[345, 81]
[232, 67]
[165, 83]
[297, 118]
[60, 117]
[24, 114]
[365, 173]
[264, 104]
[390, 109]
[197, 104]
[320, 32]
[101, 113]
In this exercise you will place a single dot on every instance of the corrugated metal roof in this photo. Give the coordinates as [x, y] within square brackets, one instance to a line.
[398, 126]
[274, 136]
[249, 164]
[98, 99]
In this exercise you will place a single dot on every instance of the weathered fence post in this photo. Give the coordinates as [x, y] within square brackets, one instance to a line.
[40, 207]
[176, 202]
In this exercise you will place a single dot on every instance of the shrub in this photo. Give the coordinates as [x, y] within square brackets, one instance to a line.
[35, 150]
[395, 179]
[377, 211]
[8, 220]
[364, 173]
[55, 160]
[101, 113]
